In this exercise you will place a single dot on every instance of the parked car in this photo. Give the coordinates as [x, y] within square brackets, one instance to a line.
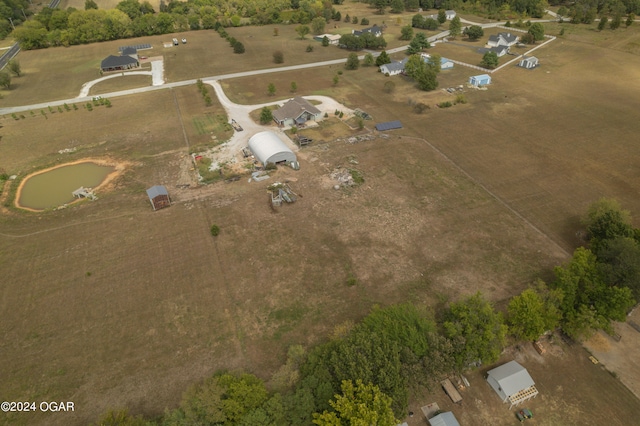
[175, 42]
[184, 41]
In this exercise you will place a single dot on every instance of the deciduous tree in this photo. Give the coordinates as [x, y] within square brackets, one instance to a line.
[5, 79]
[406, 33]
[14, 67]
[302, 31]
[442, 16]
[530, 315]
[318, 24]
[489, 60]
[266, 116]
[352, 62]
[474, 32]
[455, 27]
[537, 31]
[271, 89]
[481, 327]
[383, 58]
[359, 404]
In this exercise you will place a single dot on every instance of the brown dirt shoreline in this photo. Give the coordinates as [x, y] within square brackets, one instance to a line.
[119, 168]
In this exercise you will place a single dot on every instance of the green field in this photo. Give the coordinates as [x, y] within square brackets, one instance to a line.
[109, 304]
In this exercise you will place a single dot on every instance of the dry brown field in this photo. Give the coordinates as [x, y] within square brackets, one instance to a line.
[109, 304]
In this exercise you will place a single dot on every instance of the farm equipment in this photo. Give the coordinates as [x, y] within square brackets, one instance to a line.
[524, 414]
[236, 126]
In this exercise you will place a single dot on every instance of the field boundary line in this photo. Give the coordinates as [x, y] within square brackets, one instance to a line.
[492, 194]
[66, 226]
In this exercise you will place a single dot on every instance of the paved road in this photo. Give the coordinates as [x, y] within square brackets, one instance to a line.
[9, 55]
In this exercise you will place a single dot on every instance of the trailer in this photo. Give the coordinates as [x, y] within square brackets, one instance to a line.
[451, 390]
[236, 126]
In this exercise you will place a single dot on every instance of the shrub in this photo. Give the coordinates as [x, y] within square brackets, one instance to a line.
[420, 107]
[446, 104]
[461, 99]
[309, 48]
[278, 57]
[215, 230]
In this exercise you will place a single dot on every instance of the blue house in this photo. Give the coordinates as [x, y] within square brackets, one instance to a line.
[480, 80]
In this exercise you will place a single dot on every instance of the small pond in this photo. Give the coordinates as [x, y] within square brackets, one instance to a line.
[53, 187]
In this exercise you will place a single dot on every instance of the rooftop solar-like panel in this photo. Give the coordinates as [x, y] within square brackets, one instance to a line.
[389, 125]
[136, 46]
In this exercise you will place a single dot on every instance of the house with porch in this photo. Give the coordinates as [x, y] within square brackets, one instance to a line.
[296, 111]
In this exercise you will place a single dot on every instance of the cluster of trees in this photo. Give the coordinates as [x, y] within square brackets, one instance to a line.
[586, 12]
[364, 41]
[419, 21]
[130, 18]
[12, 13]
[360, 376]
[490, 8]
[598, 285]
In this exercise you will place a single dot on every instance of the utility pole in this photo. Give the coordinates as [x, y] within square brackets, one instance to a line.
[12, 26]
[23, 14]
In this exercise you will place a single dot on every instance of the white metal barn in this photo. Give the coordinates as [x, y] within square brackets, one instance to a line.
[267, 147]
[512, 383]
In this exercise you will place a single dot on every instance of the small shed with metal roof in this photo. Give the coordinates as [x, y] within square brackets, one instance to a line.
[159, 197]
[444, 419]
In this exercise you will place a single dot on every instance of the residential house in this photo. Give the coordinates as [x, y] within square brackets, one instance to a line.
[502, 39]
[295, 111]
[118, 63]
[375, 30]
[394, 68]
[334, 39]
[445, 64]
[499, 50]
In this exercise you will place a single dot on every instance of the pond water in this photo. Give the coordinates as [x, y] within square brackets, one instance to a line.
[54, 187]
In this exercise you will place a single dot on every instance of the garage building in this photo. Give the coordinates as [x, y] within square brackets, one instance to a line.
[267, 147]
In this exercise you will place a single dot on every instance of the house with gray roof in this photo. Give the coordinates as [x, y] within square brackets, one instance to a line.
[394, 68]
[118, 63]
[502, 39]
[499, 50]
[296, 111]
[375, 30]
[512, 383]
